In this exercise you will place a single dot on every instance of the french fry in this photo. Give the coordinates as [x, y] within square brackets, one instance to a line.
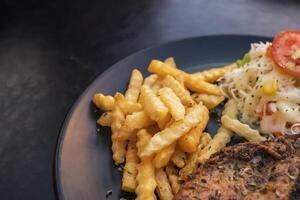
[157, 85]
[127, 107]
[121, 102]
[229, 121]
[162, 158]
[153, 106]
[242, 129]
[179, 158]
[171, 62]
[218, 142]
[173, 177]
[174, 132]
[230, 109]
[125, 135]
[119, 151]
[105, 119]
[131, 107]
[190, 141]
[170, 122]
[172, 102]
[130, 168]
[118, 118]
[137, 120]
[143, 137]
[182, 93]
[118, 146]
[163, 69]
[223, 135]
[146, 184]
[192, 161]
[214, 74]
[201, 86]
[150, 80]
[163, 125]
[134, 87]
[103, 102]
[210, 101]
[181, 78]
[163, 122]
[163, 188]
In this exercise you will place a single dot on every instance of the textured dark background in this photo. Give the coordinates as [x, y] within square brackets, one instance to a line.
[51, 50]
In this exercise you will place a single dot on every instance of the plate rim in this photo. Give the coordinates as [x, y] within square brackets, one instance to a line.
[64, 124]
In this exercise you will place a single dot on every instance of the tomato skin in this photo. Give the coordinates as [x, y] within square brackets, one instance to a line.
[269, 52]
[283, 47]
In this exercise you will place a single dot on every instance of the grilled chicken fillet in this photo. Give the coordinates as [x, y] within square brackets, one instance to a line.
[267, 170]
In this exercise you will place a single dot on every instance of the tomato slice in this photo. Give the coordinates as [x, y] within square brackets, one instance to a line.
[285, 51]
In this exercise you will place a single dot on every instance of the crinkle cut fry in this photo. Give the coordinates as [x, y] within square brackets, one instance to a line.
[163, 188]
[222, 136]
[174, 132]
[130, 168]
[146, 183]
[103, 102]
[211, 75]
[210, 101]
[192, 161]
[118, 146]
[190, 141]
[134, 87]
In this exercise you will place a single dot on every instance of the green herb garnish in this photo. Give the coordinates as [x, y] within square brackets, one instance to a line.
[244, 60]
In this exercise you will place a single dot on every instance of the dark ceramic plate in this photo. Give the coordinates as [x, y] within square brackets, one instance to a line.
[84, 167]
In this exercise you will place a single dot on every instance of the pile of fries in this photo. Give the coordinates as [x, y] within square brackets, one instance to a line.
[158, 126]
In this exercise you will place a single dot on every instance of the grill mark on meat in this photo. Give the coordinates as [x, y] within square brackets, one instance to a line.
[267, 170]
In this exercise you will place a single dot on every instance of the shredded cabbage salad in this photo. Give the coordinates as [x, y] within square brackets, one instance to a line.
[267, 99]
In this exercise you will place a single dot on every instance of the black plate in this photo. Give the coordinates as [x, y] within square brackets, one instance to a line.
[84, 167]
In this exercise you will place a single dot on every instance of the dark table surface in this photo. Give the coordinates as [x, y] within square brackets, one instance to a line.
[51, 50]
